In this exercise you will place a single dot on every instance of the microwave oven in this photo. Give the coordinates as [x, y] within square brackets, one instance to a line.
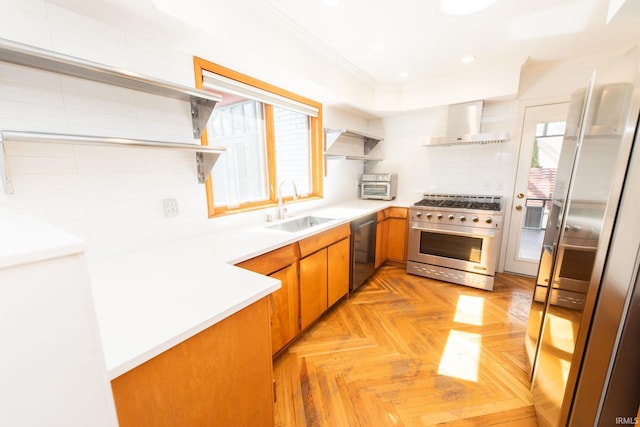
[378, 186]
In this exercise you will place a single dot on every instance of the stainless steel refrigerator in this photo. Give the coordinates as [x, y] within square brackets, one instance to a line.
[579, 333]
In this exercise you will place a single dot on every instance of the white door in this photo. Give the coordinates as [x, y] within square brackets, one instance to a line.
[538, 161]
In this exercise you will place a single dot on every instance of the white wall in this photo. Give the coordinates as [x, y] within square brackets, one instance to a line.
[112, 197]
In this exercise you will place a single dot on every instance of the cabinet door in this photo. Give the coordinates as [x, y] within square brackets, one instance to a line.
[397, 239]
[221, 376]
[313, 287]
[381, 243]
[284, 308]
[338, 271]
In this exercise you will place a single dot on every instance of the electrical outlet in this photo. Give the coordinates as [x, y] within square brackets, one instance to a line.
[170, 208]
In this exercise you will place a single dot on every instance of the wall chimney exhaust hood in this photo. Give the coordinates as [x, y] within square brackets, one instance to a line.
[463, 127]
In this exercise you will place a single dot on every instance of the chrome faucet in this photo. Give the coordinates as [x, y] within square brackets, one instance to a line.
[282, 207]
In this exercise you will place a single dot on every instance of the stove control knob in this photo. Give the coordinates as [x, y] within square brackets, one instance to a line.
[418, 214]
[475, 219]
[452, 217]
[439, 216]
[463, 218]
[429, 215]
[575, 229]
[488, 220]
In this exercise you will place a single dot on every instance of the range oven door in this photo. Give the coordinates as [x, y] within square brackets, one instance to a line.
[467, 248]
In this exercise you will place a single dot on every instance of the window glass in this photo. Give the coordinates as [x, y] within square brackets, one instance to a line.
[239, 175]
[292, 147]
[270, 136]
[555, 128]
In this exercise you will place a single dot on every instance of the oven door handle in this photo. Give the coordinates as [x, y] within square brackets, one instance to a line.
[578, 247]
[453, 233]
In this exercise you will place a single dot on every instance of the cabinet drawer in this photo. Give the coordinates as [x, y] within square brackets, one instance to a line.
[324, 239]
[396, 212]
[271, 261]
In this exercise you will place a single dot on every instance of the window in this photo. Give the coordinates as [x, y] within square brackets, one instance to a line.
[270, 136]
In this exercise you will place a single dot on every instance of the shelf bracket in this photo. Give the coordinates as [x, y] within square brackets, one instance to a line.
[369, 144]
[201, 110]
[205, 162]
[7, 184]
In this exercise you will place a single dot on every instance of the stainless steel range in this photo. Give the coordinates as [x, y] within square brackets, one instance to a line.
[455, 238]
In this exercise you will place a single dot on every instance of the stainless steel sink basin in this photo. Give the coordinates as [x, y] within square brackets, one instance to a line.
[299, 224]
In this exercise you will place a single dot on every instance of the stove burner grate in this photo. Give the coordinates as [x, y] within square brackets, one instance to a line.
[488, 203]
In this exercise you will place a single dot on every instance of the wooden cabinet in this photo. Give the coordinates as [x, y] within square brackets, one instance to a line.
[324, 271]
[392, 228]
[381, 240]
[281, 264]
[220, 377]
[397, 239]
[338, 263]
[314, 273]
[313, 287]
[285, 309]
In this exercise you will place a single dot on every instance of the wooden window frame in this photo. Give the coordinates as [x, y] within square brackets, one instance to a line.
[316, 135]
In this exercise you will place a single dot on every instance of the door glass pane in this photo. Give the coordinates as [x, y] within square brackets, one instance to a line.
[537, 200]
[239, 175]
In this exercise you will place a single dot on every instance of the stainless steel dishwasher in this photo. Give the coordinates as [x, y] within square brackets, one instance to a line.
[363, 250]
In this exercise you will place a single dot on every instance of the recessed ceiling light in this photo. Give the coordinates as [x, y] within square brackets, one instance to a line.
[467, 59]
[378, 47]
[332, 3]
[403, 74]
[464, 7]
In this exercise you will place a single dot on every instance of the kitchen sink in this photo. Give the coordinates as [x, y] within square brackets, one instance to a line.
[299, 224]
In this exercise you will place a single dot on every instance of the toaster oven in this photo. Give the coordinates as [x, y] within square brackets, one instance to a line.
[378, 186]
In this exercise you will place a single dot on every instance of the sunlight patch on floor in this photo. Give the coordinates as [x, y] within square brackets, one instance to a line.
[460, 358]
[469, 310]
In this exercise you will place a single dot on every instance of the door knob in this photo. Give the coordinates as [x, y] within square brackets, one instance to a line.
[519, 207]
[520, 195]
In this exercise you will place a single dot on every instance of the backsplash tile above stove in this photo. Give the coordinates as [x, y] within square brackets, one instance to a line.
[467, 169]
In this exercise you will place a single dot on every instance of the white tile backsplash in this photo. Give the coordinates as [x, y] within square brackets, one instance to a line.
[41, 165]
[104, 182]
[89, 39]
[74, 87]
[24, 94]
[467, 169]
[26, 21]
[156, 60]
[75, 24]
[109, 166]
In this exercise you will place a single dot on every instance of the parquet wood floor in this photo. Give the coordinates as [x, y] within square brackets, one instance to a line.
[409, 351]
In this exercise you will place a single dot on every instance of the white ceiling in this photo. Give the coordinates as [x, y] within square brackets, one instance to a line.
[304, 44]
[420, 40]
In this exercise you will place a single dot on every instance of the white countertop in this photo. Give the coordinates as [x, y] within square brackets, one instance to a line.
[151, 300]
[24, 240]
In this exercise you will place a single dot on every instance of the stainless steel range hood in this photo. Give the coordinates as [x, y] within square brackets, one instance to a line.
[463, 127]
